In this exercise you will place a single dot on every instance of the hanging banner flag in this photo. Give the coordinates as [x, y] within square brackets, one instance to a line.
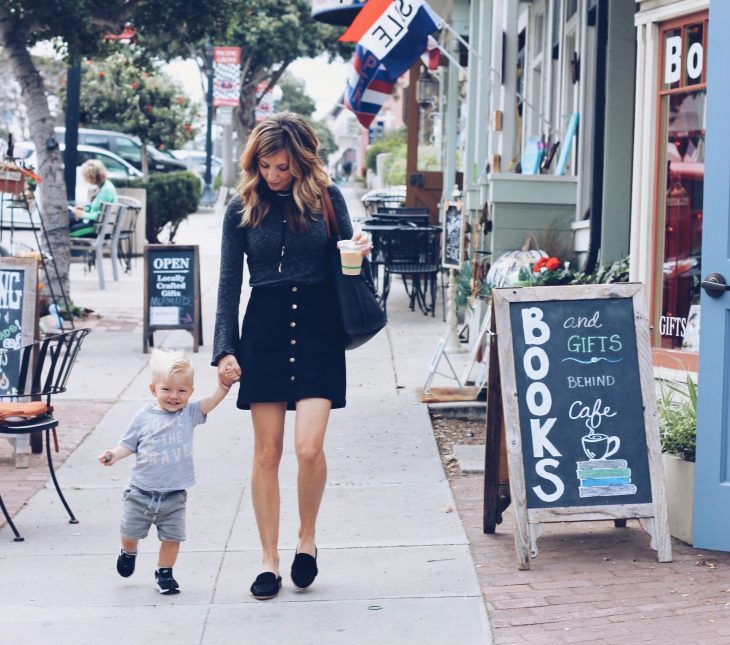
[368, 87]
[226, 76]
[396, 32]
[267, 102]
[431, 58]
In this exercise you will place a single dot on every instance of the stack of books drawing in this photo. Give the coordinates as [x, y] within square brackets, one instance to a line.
[604, 478]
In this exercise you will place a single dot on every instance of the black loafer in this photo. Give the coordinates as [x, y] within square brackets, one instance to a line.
[304, 569]
[266, 586]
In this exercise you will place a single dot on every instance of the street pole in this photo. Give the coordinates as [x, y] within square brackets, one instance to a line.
[208, 198]
[73, 109]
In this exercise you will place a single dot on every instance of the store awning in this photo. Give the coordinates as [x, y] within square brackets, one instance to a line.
[336, 12]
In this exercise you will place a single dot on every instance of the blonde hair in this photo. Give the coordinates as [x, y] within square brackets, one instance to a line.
[164, 364]
[291, 133]
[93, 171]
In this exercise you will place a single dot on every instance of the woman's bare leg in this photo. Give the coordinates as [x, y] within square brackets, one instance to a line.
[268, 426]
[310, 427]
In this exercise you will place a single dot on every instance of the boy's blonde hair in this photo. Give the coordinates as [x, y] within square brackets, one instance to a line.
[164, 364]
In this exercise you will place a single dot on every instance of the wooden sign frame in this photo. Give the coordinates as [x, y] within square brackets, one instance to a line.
[503, 408]
[28, 333]
[29, 313]
[196, 327]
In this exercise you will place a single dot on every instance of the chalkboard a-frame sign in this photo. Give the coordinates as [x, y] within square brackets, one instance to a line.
[574, 387]
[18, 315]
[172, 291]
[453, 237]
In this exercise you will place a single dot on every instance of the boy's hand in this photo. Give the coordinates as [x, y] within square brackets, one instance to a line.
[106, 458]
[229, 372]
[111, 457]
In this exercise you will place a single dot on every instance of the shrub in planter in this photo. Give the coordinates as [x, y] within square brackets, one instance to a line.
[678, 422]
[171, 197]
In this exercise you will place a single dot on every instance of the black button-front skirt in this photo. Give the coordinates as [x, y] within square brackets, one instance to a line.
[292, 347]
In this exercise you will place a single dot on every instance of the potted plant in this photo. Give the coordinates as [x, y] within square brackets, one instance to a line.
[678, 426]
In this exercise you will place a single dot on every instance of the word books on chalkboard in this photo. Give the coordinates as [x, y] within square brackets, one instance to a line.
[172, 291]
[574, 388]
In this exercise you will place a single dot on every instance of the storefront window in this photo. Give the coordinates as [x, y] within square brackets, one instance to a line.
[681, 181]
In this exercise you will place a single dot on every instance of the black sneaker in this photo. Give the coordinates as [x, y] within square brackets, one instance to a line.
[125, 563]
[166, 584]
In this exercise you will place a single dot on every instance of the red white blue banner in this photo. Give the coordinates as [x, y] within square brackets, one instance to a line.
[391, 36]
[368, 87]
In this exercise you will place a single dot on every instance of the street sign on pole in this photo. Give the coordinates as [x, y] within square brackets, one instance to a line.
[226, 76]
[224, 116]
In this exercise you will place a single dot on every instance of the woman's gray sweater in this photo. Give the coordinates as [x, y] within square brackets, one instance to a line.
[304, 262]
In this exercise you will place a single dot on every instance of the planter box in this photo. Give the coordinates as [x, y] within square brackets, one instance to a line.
[679, 481]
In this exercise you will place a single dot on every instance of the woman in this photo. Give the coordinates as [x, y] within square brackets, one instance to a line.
[81, 219]
[290, 355]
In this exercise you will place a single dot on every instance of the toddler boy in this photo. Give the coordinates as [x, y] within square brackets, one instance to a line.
[161, 436]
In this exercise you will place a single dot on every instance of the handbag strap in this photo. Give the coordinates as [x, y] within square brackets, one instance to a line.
[328, 213]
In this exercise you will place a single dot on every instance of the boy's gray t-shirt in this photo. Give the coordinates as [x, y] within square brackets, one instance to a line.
[163, 442]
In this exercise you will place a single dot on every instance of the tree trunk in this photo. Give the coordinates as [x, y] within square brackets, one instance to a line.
[144, 162]
[13, 39]
[245, 115]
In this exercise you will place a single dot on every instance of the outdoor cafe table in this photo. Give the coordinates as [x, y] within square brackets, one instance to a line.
[380, 235]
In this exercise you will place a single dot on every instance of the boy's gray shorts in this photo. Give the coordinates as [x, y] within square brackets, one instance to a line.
[142, 508]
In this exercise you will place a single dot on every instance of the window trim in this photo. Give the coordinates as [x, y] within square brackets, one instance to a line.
[663, 357]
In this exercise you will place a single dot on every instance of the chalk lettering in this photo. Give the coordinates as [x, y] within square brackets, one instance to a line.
[546, 400]
[593, 416]
[583, 321]
[540, 442]
[590, 381]
[541, 470]
[591, 344]
[536, 331]
[543, 364]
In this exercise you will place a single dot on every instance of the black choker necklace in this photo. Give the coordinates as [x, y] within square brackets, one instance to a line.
[283, 194]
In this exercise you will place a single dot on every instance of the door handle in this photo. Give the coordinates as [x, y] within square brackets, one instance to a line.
[714, 285]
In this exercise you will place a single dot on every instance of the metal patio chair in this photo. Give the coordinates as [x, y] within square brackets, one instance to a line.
[37, 372]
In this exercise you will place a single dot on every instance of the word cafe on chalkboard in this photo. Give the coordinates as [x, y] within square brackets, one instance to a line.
[172, 291]
[579, 410]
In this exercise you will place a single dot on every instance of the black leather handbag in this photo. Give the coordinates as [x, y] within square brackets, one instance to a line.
[357, 298]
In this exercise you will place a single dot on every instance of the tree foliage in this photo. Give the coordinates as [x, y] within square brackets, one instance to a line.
[124, 92]
[326, 138]
[77, 28]
[294, 97]
[272, 34]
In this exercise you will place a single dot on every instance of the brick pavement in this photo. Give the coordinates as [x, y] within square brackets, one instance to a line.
[76, 420]
[594, 583]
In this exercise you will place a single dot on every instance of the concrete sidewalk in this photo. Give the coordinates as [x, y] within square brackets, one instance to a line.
[394, 559]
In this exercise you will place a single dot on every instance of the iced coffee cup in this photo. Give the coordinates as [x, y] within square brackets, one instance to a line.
[350, 256]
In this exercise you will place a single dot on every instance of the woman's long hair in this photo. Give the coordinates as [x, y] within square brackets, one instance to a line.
[289, 132]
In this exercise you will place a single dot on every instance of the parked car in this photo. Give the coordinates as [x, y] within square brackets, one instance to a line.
[195, 162]
[116, 167]
[127, 147]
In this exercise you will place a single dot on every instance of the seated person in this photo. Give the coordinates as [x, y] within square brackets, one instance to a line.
[81, 219]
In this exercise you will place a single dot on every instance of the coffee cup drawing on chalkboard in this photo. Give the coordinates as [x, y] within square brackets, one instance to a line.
[601, 476]
[600, 446]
